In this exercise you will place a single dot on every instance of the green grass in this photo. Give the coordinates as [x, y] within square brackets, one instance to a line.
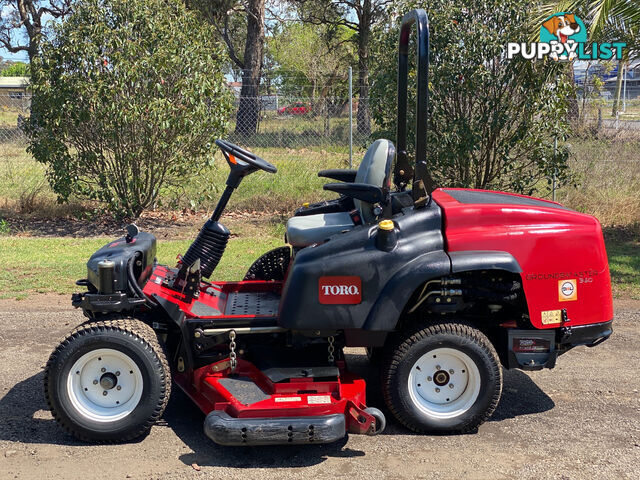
[9, 116]
[23, 187]
[623, 250]
[52, 265]
[606, 172]
[606, 182]
[295, 182]
[606, 179]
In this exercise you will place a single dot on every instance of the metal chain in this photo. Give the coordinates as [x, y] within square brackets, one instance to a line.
[331, 349]
[232, 349]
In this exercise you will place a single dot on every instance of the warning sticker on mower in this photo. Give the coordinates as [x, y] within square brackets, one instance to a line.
[340, 290]
[318, 399]
[287, 399]
[567, 290]
[550, 317]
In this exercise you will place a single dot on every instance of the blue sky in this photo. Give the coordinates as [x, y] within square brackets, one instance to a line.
[4, 53]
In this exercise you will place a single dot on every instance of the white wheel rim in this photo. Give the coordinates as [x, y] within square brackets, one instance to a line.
[444, 383]
[93, 374]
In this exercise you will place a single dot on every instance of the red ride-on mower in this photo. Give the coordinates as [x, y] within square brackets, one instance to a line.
[444, 287]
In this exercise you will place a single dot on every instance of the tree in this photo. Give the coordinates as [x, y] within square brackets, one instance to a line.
[492, 121]
[360, 16]
[249, 107]
[22, 23]
[312, 60]
[130, 96]
[228, 16]
[622, 31]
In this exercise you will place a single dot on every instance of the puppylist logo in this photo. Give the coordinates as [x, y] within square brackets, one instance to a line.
[563, 37]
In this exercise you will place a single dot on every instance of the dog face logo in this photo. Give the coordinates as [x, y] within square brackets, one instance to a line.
[563, 37]
[563, 31]
[562, 26]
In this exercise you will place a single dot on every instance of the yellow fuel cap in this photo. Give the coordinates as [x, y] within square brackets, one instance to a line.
[305, 204]
[386, 225]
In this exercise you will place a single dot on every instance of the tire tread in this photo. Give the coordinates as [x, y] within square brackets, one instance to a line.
[402, 344]
[136, 329]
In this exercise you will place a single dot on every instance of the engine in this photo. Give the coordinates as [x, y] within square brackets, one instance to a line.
[107, 269]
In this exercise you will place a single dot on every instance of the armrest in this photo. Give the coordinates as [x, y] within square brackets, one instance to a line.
[339, 174]
[361, 191]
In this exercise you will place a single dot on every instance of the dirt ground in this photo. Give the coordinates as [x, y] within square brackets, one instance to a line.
[580, 420]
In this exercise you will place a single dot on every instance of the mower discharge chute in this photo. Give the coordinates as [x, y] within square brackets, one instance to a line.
[443, 287]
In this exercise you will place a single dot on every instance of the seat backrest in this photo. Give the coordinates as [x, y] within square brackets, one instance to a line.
[375, 169]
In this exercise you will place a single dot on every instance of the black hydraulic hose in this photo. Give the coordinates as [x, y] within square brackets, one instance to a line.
[133, 284]
[489, 295]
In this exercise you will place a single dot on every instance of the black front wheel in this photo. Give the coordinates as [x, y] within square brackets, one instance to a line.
[444, 378]
[108, 381]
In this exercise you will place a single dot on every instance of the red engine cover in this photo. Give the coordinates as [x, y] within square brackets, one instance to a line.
[561, 252]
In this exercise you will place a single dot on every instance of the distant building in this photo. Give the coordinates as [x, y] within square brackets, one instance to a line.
[630, 81]
[14, 87]
[631, 78]
[235, 87]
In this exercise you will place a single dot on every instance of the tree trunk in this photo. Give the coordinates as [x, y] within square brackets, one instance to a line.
[363, 115]
[248, 109]
[616, 97]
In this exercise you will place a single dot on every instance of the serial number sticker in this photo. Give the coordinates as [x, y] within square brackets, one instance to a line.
[318, 399]
[287, 399]
[551, 316]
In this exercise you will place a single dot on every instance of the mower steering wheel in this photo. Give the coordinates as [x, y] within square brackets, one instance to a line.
[232, 153]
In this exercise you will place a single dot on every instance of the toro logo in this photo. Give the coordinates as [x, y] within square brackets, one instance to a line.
[339, 290]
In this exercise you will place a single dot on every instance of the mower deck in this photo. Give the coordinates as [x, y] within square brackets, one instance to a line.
[277, 406]
[247, 405]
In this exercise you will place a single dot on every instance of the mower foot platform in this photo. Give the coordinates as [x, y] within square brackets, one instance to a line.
[226, 430]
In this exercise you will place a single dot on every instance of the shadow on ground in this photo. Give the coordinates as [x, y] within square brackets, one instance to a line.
[520, 396]
[184, 418]
[25, 418]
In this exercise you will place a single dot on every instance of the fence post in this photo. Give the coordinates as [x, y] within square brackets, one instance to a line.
[624, 95]
[555, 153]
[350, 118]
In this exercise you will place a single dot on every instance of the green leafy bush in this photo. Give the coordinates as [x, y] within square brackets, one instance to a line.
[129, 96]
[16, 69]
[492, 120]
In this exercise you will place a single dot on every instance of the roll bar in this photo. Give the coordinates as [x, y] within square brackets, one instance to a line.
[404, 173]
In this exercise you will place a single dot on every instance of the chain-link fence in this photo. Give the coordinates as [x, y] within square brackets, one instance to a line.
[603, 146]
[324, 123]
[269, 121]
[14, 109]
[273, 121]
[596, 110]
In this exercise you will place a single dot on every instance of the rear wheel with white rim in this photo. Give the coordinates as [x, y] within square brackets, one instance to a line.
[445, 377]
[108, 381]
